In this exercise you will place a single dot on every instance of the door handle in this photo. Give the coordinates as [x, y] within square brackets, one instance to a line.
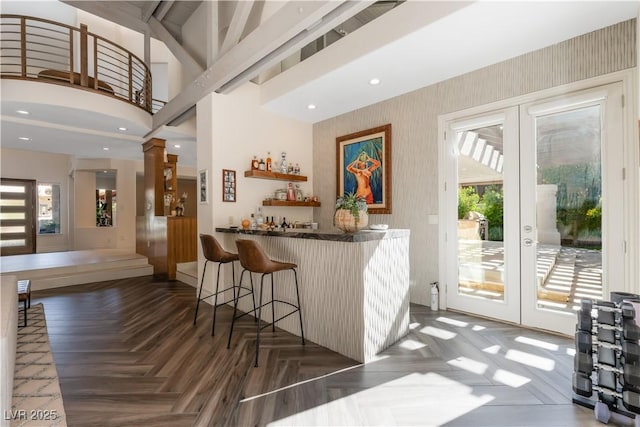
[527, 242]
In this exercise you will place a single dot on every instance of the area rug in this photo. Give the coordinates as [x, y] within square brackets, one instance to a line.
[37, 399]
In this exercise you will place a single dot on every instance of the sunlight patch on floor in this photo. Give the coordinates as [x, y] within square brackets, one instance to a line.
[410, 344]
[530, 360]
[452, 322]
[438, 333]
[537, 343]
[510, 379]
[470, 365]
[389, 403]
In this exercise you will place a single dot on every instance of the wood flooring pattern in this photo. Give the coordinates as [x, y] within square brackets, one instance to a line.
[128, 354]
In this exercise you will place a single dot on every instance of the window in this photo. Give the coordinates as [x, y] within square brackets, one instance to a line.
[48, 208]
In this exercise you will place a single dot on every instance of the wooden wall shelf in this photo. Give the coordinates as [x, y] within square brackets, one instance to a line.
[289, 203]
[274, 175]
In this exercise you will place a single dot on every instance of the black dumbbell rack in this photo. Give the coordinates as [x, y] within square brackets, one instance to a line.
[607, 359]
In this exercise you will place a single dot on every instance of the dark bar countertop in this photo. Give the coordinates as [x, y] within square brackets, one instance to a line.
[331, 235]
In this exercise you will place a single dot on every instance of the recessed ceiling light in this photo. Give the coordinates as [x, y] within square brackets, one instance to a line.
[176, 145]
[24, 138]
[105, 148]
[22, 112]
[374, 81]
[122, 129]
[311, 106]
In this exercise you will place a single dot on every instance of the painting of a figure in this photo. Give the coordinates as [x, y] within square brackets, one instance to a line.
[364, 167]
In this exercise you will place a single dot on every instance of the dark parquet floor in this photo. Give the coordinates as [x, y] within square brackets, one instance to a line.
[128, 354]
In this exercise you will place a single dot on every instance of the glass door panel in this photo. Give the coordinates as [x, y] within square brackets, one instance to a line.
[482, 204]
[569, 207]
[480, 212]
[565, 166]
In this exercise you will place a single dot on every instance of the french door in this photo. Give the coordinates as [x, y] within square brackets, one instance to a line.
[534, 208]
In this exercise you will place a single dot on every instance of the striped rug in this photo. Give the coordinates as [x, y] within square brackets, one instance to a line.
[37, 400]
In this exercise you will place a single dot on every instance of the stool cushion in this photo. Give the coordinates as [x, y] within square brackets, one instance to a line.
[24, 289]
[253, 258]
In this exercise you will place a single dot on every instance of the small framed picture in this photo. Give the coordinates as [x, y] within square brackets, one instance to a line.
[203, 179]
[228, 185]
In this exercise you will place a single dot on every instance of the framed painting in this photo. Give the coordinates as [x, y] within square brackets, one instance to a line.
[203, 179]
[364, 167]
[228, 185]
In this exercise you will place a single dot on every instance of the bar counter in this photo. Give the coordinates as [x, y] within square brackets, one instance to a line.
[354, 288]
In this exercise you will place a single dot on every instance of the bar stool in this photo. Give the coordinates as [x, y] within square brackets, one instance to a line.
[215, 253]
[254, 260]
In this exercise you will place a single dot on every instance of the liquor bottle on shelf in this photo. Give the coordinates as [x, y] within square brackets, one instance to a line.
[296, 169]
[254, 163]
[283, 163]
[253, 222]
[262, 166]
[268, 161]
[259, 217]
[284, 223]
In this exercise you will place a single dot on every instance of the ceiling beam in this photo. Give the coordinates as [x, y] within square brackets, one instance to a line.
[290, 28]
[191, 65]
[163, 9]
[124, 13]
[147, 12]
[236, 27]
[213, 40]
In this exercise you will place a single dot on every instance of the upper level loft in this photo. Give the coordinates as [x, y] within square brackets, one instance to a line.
[45, 51]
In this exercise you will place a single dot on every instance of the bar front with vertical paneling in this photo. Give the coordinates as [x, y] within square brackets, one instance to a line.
[354, 289]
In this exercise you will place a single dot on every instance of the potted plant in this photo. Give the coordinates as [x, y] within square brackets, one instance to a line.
[351, 213]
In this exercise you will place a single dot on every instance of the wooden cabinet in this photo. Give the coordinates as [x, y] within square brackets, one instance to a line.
[281, 177]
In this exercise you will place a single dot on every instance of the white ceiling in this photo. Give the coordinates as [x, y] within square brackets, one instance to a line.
[418, 44]
[473, 36]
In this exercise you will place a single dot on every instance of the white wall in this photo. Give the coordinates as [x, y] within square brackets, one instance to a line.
[52, 10]
[231, 129]
[46, 168]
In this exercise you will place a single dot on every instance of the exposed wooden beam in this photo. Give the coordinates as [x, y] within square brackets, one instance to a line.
[192, 66]
[163, 9]
[291, 27]
[236, 27]
[148, 10]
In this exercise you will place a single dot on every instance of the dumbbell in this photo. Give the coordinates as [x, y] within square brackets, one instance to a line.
[583, 363]
[586, 343]
[583, 386]
[630, 331]
[625, 308]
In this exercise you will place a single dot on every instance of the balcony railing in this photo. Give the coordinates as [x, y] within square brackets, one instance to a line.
[46, 51]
